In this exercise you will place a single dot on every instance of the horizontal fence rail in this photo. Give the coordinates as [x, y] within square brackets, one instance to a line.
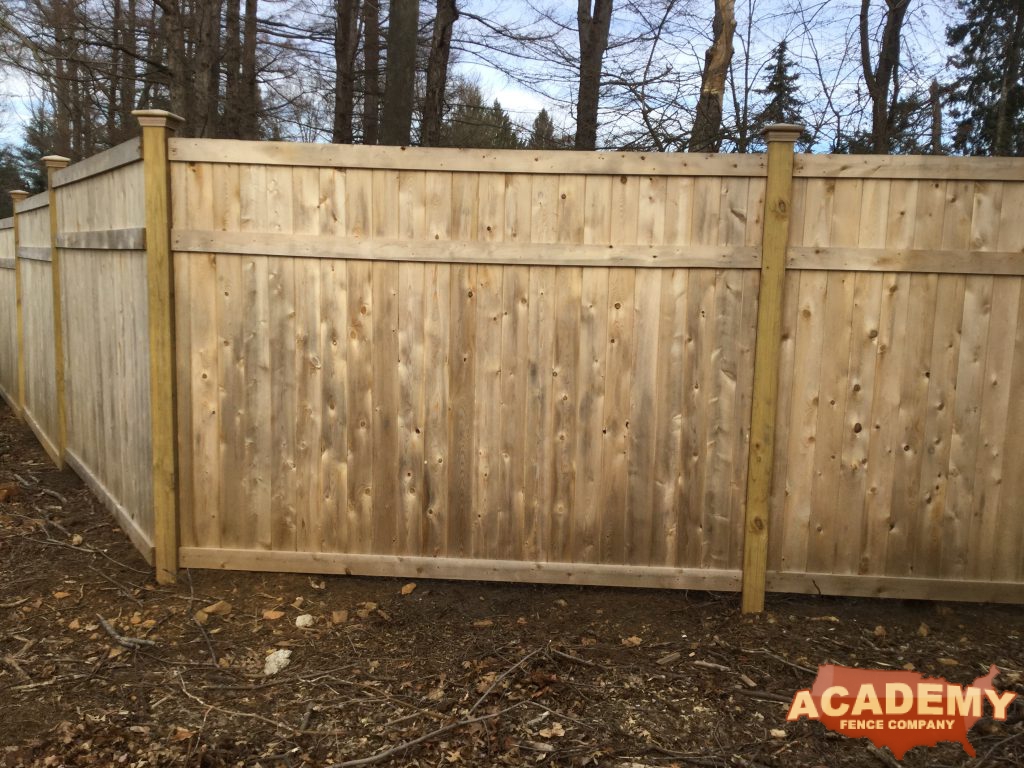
[761, 372]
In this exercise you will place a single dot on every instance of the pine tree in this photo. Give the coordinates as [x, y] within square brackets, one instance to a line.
[39, 141]
[543, 134]
[10, 179]
[988, 97]
[471, 123]
[781, 87]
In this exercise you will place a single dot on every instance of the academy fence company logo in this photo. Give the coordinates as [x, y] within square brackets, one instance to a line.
[898, 710]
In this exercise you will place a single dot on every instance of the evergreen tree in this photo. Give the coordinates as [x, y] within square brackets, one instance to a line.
[543, 134]
[39, 141]
[784, 104]
[10, 179]
[988, 97]
[471, 123]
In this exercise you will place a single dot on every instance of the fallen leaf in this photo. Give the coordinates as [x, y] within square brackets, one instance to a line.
[201, 617]
[272, 615]
[74, 624]
[115, 651]
[61, 595]
[922, 631]
[949, 662]
[909, 667]
[339, 617]
[181, 734]
[409, 588]
[521, 621]
[632, 642]
[553, 730]
[482, 623]
[220, 608]
[297, 603]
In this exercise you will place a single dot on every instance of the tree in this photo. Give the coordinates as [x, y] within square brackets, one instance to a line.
[371, 74]
[401, 73]
[882, 77]
[988, 96]
[472, 123]
[10, 179]
[781, 87]
[543, 134]
[437, 72]
[706, 135]
[345, 48]
[594, 23]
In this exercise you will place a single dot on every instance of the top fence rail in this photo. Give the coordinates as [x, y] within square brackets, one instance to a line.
[465, 160]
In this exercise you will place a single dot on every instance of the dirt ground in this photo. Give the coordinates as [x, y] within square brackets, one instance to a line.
[446, 673]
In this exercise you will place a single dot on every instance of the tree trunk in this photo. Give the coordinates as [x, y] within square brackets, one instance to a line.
[884, 77]
[345, 44]
[1001, 142]
[707, 122]
[437, 72]
[401, 73]
[207, 68]
[232, 70]
[934, 96]
[249, 98]
[593, 33]
[371, 76]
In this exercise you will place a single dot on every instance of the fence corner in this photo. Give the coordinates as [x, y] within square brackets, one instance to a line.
[156, 126]
[760, 459]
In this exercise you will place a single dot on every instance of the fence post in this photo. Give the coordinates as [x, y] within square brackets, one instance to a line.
[17, 196]
[157, 125]
[778, 192]
[53, 164]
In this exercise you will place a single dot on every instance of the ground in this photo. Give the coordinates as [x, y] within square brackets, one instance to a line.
[436, 674]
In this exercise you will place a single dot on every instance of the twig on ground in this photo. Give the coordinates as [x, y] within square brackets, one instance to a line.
[125, 642]
[883, 757]
[711, 665]
[502, 676]
[11, 662]
[381, 756]
[209, 643]
[766, 695]
[570, 657]
[53, 494]
[780, 659]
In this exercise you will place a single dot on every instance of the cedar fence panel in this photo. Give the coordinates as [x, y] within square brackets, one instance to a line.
[8, 315]
[538, 366]
[101, 237]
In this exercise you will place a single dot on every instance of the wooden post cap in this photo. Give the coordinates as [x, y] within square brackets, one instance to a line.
[18, 194]
[56, 161]
[157, 118]
[783, 132]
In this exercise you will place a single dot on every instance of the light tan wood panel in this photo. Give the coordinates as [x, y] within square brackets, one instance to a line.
[8, 319]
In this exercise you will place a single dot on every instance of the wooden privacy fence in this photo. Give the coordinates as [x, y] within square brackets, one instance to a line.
[793, 373]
